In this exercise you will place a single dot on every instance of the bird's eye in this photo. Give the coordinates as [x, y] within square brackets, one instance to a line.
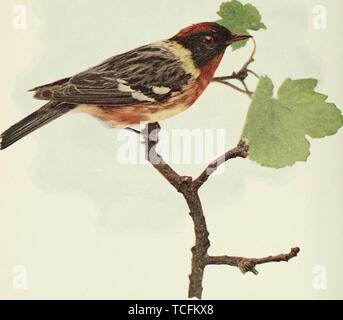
[208, 39]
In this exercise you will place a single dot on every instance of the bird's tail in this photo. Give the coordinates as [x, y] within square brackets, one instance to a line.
[50, 111]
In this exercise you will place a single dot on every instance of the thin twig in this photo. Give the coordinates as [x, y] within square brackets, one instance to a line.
[247, 91]
[241, 75]
[253, 73]
[251, 58]
[231, 85]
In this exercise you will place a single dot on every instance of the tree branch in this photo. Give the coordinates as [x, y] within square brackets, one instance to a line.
[151, 139]
[241, 151]
[249, 264]
[189, 189]
[241, 75]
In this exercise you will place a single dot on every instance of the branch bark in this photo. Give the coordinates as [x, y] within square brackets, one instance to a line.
[241, 151]
[189, 189]
[249, 264]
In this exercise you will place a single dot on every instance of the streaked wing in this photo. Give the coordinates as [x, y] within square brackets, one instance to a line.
[146, 75]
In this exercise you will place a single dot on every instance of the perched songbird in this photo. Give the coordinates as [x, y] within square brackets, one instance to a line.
[144, 85]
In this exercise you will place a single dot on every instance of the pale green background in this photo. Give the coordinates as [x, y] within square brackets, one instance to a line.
[85, 226]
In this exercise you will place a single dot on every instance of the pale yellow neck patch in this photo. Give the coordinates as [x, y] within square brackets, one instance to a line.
[183, 54]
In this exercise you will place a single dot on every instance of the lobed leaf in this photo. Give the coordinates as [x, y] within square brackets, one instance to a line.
[239, 18]
[276, 128]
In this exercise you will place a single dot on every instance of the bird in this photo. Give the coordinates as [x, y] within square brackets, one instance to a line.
[145, 85]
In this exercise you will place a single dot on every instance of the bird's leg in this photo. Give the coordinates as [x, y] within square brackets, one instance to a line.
[133, 130]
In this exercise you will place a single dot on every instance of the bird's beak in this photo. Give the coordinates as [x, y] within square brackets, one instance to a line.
[239, 37]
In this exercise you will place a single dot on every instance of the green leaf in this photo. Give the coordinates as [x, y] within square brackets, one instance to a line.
[276, 128]
[239, 18]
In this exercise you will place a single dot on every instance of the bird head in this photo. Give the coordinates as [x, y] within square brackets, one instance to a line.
[206, 41]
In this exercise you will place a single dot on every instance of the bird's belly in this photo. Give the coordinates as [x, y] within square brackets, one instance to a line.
[132, 115]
